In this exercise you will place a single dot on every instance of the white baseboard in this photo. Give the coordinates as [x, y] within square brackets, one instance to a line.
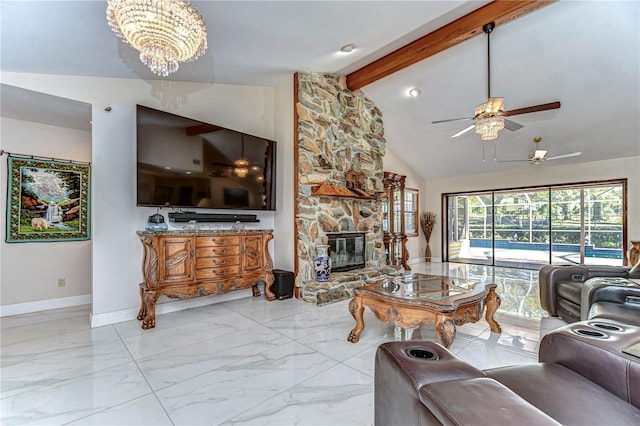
[108, 318]
[44, 305]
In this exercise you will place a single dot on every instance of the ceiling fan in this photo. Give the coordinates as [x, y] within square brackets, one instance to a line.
[540, 155]
[489, 117]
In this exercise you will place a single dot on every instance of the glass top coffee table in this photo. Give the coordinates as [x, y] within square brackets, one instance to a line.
[411, 301]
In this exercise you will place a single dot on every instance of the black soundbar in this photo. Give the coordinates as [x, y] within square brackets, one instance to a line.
[212, 217]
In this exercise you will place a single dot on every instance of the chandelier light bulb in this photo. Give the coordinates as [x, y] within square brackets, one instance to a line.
[165, 32]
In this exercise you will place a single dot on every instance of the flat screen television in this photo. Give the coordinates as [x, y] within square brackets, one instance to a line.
[184, 163]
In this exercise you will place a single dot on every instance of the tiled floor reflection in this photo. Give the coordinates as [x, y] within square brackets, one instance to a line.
[245, 361]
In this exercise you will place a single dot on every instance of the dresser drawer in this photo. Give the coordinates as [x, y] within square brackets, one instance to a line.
[226, 240]
[217, 261]
[220, 272]
[217, 251]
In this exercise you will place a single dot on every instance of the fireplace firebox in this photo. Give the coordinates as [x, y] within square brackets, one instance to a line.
[347, 250]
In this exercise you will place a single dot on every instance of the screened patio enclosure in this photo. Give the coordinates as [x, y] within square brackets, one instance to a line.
[531, 227]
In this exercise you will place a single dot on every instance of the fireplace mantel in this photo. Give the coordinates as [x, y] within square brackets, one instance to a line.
[344, 192]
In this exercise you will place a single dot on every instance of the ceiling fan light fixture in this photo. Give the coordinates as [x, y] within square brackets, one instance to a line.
[539, 153]
[165, 32]
[489, 127]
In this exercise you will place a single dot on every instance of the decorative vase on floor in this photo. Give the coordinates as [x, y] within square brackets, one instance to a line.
[322, 263]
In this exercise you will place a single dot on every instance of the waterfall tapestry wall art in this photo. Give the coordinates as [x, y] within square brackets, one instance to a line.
[47, 200]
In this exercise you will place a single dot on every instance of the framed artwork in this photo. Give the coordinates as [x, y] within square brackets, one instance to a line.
[47, 200]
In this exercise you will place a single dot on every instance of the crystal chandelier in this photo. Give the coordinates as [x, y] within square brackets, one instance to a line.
[164, 31]
[241, 168]
[489, 127]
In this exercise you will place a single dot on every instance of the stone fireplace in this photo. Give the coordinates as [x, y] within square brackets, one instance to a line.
[346, 250]
[339, 151]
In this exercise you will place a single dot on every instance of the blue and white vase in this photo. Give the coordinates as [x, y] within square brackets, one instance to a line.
[322, 263]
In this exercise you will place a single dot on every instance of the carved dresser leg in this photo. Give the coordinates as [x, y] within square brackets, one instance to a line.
[268, 281]
[143, 307]
[149, 300]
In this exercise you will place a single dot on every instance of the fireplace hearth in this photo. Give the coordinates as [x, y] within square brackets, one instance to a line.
[347, 250]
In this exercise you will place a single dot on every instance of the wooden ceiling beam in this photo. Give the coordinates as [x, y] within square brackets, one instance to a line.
[461, 29]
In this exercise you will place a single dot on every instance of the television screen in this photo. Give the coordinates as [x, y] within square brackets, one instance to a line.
[187, 163]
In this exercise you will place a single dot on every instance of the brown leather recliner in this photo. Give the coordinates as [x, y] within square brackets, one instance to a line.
[582, 377]
[561, 287]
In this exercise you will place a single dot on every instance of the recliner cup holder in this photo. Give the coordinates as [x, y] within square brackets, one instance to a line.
[590, 333]
[606, 326]
[421, 353]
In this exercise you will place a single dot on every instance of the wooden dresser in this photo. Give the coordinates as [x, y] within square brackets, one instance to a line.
[188, 264]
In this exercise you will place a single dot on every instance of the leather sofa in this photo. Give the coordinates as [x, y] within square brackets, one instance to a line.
[566, 291]
[583, 377]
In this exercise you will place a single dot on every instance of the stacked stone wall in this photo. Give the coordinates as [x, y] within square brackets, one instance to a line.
[338, 131]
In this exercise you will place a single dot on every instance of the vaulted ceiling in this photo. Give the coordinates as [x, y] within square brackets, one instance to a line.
[585, 54]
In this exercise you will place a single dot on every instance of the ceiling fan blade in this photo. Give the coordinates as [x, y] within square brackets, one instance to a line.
[452, 119]
[462, 132]
[571, 154]
[534, 108]
[512, 125]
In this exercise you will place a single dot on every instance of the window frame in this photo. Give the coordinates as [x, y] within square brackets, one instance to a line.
[416, 212]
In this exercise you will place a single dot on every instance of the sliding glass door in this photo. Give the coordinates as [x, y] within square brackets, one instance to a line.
[470, 218]
[522, 228]
[587, 225]
[532, 227]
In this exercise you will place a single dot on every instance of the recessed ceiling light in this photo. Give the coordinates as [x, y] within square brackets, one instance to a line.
[167, 167]
[415, 92]
[348, 48]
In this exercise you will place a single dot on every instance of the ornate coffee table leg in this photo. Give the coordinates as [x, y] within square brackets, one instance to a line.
[446, 330]
[492, 301]
[357, 310]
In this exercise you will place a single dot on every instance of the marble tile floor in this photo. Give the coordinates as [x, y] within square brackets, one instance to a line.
[240, 362]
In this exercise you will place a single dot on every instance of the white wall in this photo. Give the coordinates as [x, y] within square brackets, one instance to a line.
[542, 175]
[30, 271]
[283, 234]
[392, 163]
[117, 252]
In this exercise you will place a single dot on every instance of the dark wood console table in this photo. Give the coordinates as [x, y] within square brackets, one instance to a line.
[188, 264]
